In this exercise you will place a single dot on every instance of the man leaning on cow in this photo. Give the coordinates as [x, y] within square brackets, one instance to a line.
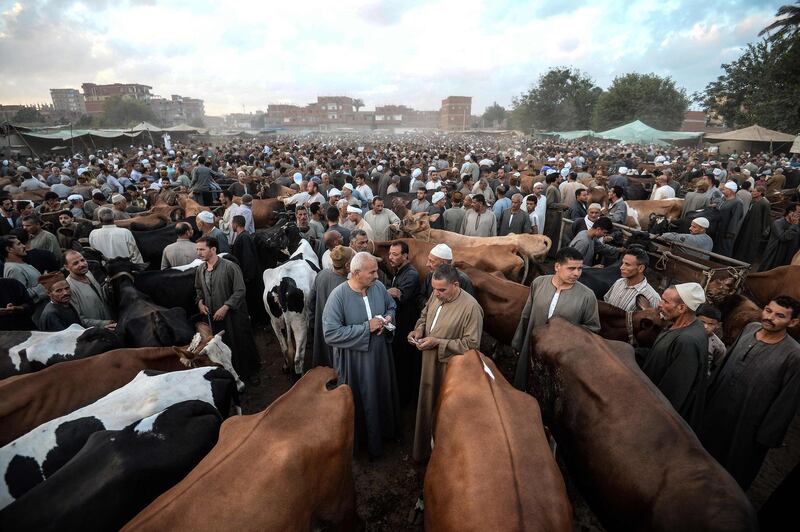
[560, 295]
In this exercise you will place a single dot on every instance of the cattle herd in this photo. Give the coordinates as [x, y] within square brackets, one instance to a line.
[140, 426]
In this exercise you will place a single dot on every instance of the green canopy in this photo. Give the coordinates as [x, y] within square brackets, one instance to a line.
[637, 132]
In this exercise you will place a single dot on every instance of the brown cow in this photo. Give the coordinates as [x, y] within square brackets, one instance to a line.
[795, 259]
[783, 280]
[616, 324]
[491, 467]
[145, 222]
[264, 212]
[633, 457]
[288, 467]
[27, 401]
[502, 302]
[737, 310]
[489, 258]
[190, 207]
[535, 247]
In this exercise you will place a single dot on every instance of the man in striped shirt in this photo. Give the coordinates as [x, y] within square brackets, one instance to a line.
[632, 292]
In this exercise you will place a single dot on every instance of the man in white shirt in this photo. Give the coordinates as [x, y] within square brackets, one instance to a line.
[662, 190]
[113, 241]
[363, 188]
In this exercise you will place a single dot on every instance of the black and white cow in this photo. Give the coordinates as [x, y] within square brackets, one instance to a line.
[28, 351]
[141, 322]
[287, 289]
[34, 457]
[118, 472]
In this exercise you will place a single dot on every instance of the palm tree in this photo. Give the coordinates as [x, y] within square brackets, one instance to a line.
[787, 20]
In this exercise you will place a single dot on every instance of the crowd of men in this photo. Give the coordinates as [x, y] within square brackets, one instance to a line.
[390, 330]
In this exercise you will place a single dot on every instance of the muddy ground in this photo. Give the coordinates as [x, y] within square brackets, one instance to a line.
[387, 488]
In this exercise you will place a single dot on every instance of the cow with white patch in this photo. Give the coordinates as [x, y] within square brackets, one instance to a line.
[28, 351]
[287, 289]
[34, 457]
[27, 401]
[118, 472]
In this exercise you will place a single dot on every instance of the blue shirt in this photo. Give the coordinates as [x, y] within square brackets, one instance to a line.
[499, 206]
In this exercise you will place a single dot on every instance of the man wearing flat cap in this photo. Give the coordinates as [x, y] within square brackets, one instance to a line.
[678, 361]
[324, 283]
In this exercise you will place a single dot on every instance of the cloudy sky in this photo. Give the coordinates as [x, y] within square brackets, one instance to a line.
[413, 52]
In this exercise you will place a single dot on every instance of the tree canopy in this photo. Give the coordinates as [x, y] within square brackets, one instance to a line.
[120, 112]
[652, 99]
[494, 114]
[28, 115]
[762, 86]
[562, 99]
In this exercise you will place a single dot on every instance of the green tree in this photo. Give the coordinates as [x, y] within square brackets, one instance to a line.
[563, 99]
[761, 87]
[28, 115]
[494, 114]
[787, 22]
[654, 100]
[120, 112]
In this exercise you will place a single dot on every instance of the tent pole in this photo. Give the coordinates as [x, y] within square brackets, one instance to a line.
[23, 140]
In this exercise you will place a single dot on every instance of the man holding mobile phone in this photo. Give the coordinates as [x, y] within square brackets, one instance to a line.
[451, 323]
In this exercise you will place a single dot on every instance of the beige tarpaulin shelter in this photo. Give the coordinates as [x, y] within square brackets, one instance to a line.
[752, 134]
[796, 146]
[747, 138]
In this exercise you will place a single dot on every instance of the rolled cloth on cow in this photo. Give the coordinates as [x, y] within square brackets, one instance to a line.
[206, 217]
[701, 221]
[692, 294]
[442, 251]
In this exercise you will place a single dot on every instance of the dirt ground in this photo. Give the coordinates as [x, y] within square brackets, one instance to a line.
[387, 488]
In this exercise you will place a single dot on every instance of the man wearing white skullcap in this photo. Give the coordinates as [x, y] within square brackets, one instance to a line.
[205, 223]
[442, 254]
[619, 179]
[354, 216]
[436, 210]
[731, 214]
[678, 361]
[119, 204]
[415, 180]
[696, 237]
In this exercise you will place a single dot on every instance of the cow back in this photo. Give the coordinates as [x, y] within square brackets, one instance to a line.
[27, 401]
[288, 467]
[502, 302]
[119, 472]
[636, 461]
[491, 467]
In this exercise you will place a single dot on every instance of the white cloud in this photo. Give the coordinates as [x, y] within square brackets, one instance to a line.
[411, 52]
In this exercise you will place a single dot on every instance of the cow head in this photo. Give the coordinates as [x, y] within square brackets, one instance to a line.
[718, 290]
[647, 324]
[98, 340]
